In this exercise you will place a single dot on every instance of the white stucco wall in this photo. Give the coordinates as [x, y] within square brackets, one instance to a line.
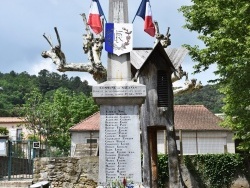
[81, 138]
[12, 128]
[230, 143]
[201, 142]
[208, 141]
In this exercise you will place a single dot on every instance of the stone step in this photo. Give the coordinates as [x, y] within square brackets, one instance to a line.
[85, 149]
[80, 154]
[16, 183]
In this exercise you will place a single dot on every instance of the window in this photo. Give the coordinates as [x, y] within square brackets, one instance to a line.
[19, 134]
[91, 140]
[162, 88]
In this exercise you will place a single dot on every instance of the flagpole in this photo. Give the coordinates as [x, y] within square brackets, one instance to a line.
[134, 18]
[99, 6]
[137, 11]
[104, 18]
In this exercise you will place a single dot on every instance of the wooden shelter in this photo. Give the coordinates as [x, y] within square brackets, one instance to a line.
[157, 111]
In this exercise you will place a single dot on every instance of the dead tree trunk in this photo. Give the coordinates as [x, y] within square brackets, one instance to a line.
[173, 162]
[153, 150]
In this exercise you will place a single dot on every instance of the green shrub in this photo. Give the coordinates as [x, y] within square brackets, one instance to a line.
[211, 170]
[4, 131]
[163, 173]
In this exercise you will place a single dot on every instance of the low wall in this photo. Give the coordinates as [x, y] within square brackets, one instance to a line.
[67, 172]
[72, 172]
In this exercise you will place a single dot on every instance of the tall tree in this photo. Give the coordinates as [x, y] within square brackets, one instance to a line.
[51, 118]
[31, 110]
[224, 27]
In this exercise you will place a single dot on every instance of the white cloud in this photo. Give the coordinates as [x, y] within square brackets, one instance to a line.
[44, 64]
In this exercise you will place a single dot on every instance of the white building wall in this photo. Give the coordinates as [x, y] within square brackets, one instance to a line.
[202, 142]
[81, 138]
[12, 128]
[161, 142]
[230, 143]
[193, 142]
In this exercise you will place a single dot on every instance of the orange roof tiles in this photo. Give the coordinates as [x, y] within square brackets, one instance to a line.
[12, 120]
[195, 117]
[187, 117]
[91, 123]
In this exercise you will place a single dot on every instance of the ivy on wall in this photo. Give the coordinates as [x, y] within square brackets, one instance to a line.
[212, 170]
[163, 173]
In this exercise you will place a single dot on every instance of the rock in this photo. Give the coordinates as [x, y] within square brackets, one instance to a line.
[240, 182]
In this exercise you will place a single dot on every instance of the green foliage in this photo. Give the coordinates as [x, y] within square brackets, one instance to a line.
[32, 111]
[4, 131]
[33, 137]
[224, 28]
[51, 118]
[216, 171]
[50, 81]
[208, 96]
[163, 173]
[17, 150]
[51, 103]
[212, 170]
[17, 85]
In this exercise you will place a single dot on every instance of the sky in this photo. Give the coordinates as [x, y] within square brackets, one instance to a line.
[23, 23]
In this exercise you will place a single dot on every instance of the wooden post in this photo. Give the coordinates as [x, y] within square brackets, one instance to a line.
[196, 140]
[181, 147]
[146, 172]
[165, 143]
[153, 150]
[175, 178]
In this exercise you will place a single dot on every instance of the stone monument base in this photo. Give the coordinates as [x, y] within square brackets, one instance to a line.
[119, 145]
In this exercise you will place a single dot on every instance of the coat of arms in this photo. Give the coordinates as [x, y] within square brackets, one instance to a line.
[119, 38]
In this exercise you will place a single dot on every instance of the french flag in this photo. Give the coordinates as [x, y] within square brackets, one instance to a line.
[144, 11]
[94, 19]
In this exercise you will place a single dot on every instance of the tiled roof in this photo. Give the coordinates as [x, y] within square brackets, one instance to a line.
[12, 120]
[195, 117]
[91, 123]
[187, 117]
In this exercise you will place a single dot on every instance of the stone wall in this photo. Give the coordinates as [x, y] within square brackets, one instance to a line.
[73, 172]
[67, 172]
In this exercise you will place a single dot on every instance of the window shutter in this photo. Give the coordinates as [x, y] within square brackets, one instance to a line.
[162, 88]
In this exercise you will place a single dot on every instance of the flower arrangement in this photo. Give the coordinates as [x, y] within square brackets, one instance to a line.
[125, 183]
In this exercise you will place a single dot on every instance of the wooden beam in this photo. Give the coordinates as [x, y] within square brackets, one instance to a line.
[153, 151]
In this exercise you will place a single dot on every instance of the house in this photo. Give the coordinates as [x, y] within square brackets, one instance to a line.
[199, 131]
[195, 125]
[85, 134]
[15, 126]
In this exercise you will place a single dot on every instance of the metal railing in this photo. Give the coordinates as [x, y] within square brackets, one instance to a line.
[18, 163]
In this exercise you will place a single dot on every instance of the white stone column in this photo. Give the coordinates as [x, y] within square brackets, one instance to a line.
[119, 99]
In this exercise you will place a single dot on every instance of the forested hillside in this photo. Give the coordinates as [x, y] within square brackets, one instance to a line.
[14, 86]
[53, 103]
[207, 96]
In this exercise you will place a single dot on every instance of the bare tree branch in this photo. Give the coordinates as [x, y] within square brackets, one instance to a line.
[48, 40]
[92, 46]
[189, 86]
[165, 40]
[58, 37]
